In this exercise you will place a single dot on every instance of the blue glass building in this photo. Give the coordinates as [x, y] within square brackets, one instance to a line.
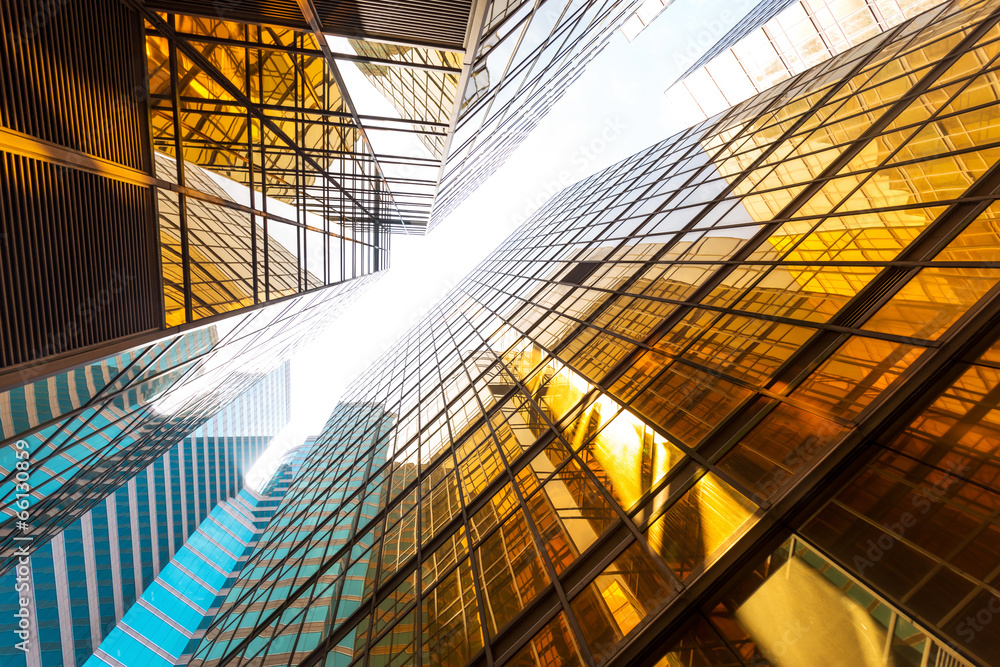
[334, 494]
[170, 618]
[89, 429]
[88, 576]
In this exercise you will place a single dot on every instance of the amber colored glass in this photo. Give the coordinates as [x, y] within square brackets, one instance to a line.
[452, 633]
[511, 570]
[768, 458]
[855, 375]
[932, 301]
[553, 646]
[699, 524]
[619, 599]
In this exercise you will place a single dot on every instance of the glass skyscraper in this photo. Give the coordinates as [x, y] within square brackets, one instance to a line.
[727, 402]
[113, 212]
[87, 430]
[168, 621]
[526, 56]
[775, 41]
[87, 576]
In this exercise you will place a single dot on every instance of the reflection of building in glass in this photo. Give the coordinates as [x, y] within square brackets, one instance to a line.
[109, 244]
[526, 57]
[219, 252]
[340, 487]
[776, 41]
[170, 618]
[420, 94]
[115, 211]
[89, 430]
[89, 574]
[773, 331]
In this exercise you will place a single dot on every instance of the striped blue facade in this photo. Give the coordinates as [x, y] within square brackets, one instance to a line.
[88, 576]
[174, 611]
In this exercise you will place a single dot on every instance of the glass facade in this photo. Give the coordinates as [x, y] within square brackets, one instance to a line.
[776, 41]
[796, 607]
[424, 94]
[252, 93]
[88, 575]
[119, 222]
[760, 14]
[169, 620]
[87, 430]
[776, 325]
[261, 106]
[527, 54]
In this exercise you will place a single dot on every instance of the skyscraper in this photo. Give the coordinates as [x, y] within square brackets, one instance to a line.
[526, 56]
[168, 621]
[776, 41]
[88, 430]
[116, 210]
[728, 401]
[355, 432]
[87, 576]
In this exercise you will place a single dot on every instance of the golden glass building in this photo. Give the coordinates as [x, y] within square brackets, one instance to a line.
[730, 401]
[158, 175]
[203, 159]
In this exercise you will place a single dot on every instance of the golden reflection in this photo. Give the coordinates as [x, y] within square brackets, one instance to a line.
[878, 236]
[451, 630]
[978, 242]
[770, 456]
[630, 458]
[216, 130]
[856, 374]
[798, 617]
[553, 646]
[511, 570]
[618, 599]
[932, 301]
[693, 530]
[624, 611]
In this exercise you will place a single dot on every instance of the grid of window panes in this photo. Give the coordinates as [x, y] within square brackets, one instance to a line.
[610, 404]
[417, 94]
[803, 35]
[761, 13]
[790, 608]
[931, 499]
[118, 547]
[527, 57]
[90, 429]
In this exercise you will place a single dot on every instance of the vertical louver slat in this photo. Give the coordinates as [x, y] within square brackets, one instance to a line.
[77, 250]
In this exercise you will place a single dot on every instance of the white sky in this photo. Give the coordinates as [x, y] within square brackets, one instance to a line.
[611, 112]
